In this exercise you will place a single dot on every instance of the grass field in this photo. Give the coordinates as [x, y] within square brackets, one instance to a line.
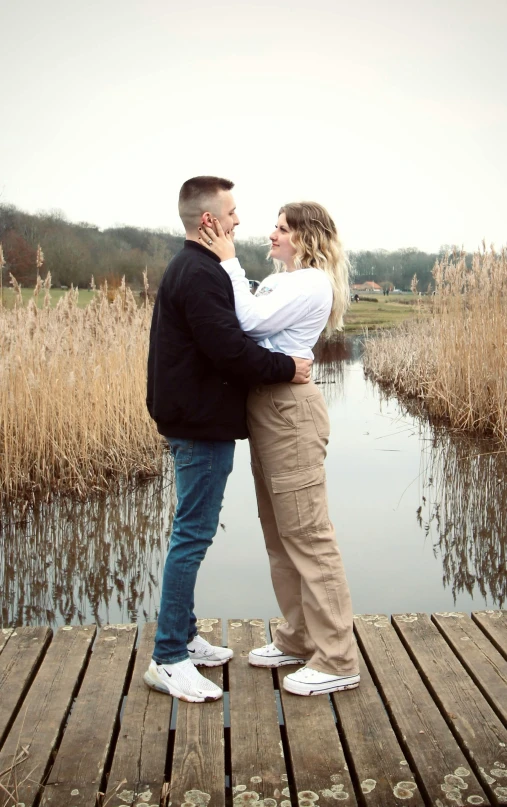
[85, 297]
[384, 313]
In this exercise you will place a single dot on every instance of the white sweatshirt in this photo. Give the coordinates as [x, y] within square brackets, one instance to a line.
[289, 310]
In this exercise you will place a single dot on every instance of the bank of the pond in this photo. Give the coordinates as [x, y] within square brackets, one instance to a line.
[454, 358]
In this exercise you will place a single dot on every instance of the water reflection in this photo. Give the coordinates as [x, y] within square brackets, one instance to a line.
[464, 511]
[330, 360]
[72, 562]
[102, 560]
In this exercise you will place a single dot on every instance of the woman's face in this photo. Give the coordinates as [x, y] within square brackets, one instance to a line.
[281, 247]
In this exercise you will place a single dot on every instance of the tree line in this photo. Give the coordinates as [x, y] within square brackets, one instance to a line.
[74, 252]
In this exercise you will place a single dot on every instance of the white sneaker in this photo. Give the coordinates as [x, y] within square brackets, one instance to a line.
[203, 654]
[181, 680]
[271, 656]
[311, 682]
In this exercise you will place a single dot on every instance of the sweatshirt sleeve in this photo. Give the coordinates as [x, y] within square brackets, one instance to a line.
[217, 333]
[263, 316]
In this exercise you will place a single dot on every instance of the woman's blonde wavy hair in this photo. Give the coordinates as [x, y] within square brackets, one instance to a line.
[316, 241]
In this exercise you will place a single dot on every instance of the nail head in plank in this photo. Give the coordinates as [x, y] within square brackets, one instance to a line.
[318, 762]
[424, 735]
[480, 732]
[76, 776]
[45, 709]
[484, 663]
[494, 625]
[380, 765]
[199, 757]
[141, 750]
[19, 662]
[257, 764]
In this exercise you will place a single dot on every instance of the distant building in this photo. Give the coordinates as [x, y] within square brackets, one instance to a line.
[369, 285]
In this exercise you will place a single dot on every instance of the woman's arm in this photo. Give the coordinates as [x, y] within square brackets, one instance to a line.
[267, 314]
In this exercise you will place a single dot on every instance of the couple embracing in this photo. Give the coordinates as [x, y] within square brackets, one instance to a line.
[225, 365]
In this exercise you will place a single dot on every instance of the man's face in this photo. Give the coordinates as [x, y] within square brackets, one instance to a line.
[224, 209]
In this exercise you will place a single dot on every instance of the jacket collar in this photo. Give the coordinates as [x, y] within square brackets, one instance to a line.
[199, 248]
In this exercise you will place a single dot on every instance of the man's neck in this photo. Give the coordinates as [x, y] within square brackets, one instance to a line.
[192, 236]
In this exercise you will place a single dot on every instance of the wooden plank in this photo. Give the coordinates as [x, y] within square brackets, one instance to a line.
[199, 757]
[380, 765]
[494, 625]
[482, 661]
[76, 776]
[19, 662]
[257, 760]
[427, 741]
[44, 712]
[318, 762]
[141, 751]
[4, 637]
[479, 731]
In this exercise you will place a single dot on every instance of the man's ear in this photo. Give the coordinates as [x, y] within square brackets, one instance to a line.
[207, 219]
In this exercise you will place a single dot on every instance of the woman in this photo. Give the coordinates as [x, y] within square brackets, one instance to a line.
[289, 431]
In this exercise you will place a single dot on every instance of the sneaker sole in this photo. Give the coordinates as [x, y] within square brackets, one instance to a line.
[175, 692]
[301, 689]
[258, 661]
[206, 663]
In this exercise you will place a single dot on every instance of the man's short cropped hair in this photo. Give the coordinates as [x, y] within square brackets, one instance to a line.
[197, 195]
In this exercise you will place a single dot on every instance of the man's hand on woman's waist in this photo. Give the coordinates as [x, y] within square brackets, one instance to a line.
[303, 374]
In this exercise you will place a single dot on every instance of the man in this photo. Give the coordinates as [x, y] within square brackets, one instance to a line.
[200, 366]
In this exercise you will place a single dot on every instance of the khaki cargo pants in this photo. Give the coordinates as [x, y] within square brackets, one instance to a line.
[289, 431]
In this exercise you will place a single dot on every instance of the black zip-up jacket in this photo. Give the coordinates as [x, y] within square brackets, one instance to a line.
[200, 362]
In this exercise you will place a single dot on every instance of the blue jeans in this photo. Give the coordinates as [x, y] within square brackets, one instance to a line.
[201, 471]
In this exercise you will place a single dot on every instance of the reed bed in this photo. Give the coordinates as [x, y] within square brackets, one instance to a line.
[454, 357]
[73, 417]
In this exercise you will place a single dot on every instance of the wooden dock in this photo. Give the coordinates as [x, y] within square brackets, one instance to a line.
[427, 726]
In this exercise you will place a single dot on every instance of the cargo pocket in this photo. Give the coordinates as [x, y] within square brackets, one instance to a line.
[300, 500]
[320, 416]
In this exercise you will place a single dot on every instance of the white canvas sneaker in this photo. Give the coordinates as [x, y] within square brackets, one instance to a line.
[203, 654]
[271, 656]
[311, 682]
[181, 680]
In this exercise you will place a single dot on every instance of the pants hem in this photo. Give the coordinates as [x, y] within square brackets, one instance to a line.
[158, 660]
[307, 656]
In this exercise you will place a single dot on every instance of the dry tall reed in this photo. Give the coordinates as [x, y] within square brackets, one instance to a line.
[72, 394]
[455, 357]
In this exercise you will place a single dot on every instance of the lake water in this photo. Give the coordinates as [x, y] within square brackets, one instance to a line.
[420, 517]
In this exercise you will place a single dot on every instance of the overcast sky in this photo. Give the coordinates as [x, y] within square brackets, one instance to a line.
[392, 113]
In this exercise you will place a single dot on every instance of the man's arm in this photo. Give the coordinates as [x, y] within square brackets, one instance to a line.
[216, 331]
